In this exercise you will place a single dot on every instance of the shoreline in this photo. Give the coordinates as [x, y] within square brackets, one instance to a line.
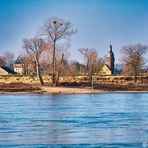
[74, 90]
[27, 89]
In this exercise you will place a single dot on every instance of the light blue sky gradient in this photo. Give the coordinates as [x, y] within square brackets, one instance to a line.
[99, 22]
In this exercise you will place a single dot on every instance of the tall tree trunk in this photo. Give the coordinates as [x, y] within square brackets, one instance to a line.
[135, 78]
[59, 70]
[91, 74]
[27, 69]
[135, 74]
[53, 66]
[38, 73]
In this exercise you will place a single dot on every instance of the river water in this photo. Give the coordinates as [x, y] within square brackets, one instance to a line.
[74, 120]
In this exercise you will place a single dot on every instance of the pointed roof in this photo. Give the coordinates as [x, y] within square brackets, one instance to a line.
[110, 52]
[110, 48]
[107, 66]
[18, 61]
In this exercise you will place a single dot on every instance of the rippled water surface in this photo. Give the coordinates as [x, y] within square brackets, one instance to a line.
[102, 120]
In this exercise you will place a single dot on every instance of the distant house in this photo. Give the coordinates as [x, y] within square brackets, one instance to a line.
[6, 71]
[18, 66]
[106, 70]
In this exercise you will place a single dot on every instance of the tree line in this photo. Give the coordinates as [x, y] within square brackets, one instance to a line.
[47, 54]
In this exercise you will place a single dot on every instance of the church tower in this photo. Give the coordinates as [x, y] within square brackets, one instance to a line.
[110, 59]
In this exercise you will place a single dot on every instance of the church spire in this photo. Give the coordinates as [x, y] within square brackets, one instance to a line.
[110, 47]
[110, 58]
[109, 51]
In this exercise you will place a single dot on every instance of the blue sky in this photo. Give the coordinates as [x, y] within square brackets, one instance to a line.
[99, 22]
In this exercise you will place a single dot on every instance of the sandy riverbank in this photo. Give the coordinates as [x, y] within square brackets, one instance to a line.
[65, 90]
[68, 90]
[19, 88]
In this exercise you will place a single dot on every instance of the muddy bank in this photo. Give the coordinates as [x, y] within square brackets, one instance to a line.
[19, 88]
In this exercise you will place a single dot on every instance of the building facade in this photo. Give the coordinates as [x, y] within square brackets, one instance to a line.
[105, 70]
[18, 66]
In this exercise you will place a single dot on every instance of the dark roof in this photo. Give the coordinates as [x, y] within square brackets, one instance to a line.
[107, 66]
[8, 70]
[18, 61]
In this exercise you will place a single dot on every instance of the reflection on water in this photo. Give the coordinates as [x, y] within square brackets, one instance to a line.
[105, 119]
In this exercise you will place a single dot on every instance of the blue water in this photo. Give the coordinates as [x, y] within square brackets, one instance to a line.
[75, 120]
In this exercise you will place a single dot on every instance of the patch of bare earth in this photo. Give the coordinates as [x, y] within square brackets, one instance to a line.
[115, 87]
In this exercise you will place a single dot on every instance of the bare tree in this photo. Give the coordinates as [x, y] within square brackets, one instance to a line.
[9, 59]
[34, 48]
[2, 61]
[90, 58]
[56, 29]
[100, 63]
[26, 61]
[74, 69]
[133, 58]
